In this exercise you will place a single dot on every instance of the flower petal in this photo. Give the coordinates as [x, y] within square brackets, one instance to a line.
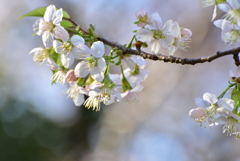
[210, 98]
[57, 18]
[144, 35]
[47, 38]
[98, 49]
[57, 45]
[60, 33]
[79, 99]
[97, 74]
[67, 60]
[81, 69]
[49, 13]
[76, 40]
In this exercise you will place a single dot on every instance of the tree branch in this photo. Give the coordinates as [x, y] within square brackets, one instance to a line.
[173, 59]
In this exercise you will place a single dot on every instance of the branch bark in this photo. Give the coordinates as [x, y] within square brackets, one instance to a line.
[173, 59]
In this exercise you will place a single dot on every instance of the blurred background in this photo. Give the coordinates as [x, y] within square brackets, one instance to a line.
[38, 123]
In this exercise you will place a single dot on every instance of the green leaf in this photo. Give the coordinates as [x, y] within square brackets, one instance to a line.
[39, 12]
[66, 23]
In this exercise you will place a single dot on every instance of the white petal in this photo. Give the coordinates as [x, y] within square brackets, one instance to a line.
[128, 63]
[144, 35]
[57, 18]
[57, 46]
[36, 27]
[101, 64]
[156, 21]
[76, 40]
[234, 4]
[49, 13]
[98, 49]
[83, 51]
[138, 88]
[224, 7]
[214, 13]
[47, 38]
[171, 49]
[81, 69]
[36, 50]
[169, 40]
[67, 60]
[60, 33]
[96, 74]
[143, 75]
[175, 31]
[201, 103]
[218, 23]
[226, 103]
[220, 120]
[155, 46]
[78, 101]
[138, 60]
[210, 98]
[231, 75]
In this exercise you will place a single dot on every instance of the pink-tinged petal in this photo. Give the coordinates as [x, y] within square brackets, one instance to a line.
[186, 33]
[197, 113]
[81, 69]
[235, 4]
[101, 64]
[218, 23]
[57, 45]
[155, 46]
[57, 18]
[76, 40]
[97, 74]
[49, 13]
[156, 21]
[210, 98]
[83, 52]
[70, 76]
[60, 33]
[214, 13]
[224, 7]
[238, 71]
[67, 60]
[78, 101]
[98, 49]
[141, 12]
[171, 49]
[144, 35]
[47, 38]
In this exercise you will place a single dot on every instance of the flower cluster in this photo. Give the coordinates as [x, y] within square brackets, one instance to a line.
[79, 62]
[223, 109]
[230, 22]
[169, 35]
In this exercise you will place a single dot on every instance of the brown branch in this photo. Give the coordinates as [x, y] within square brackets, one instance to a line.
[173, 59]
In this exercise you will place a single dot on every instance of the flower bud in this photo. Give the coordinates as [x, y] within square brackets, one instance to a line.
[197, 113]
[70, 76]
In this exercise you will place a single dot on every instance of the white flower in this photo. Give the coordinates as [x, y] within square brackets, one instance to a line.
[180, 41]
[207, 3]
[230, 32]
[40, 55]
[49, 26]
[161, 34]
[69, 50]
[76, 92]
[227, 117]
[94, 63]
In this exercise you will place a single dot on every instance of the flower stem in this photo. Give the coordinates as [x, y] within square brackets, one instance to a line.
[224, 92]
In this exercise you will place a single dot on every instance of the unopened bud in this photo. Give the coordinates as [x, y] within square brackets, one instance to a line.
[70, 76]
